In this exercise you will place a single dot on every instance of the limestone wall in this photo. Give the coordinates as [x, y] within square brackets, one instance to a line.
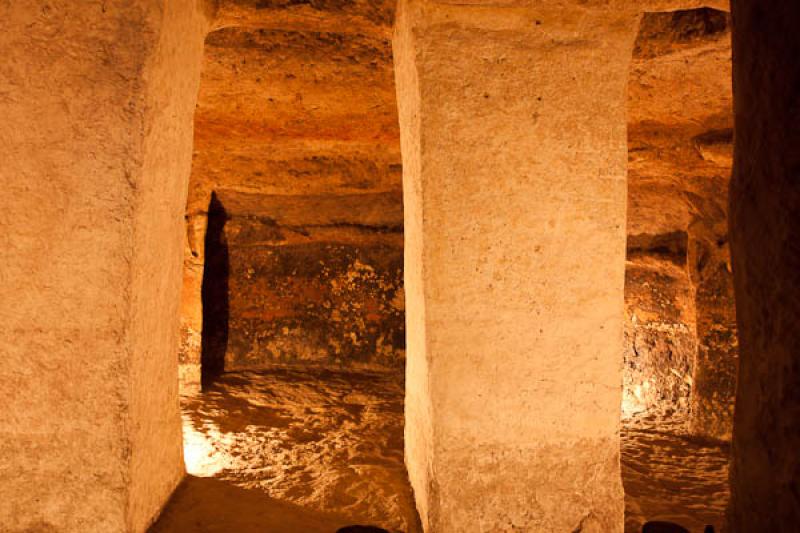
[298, 101]
[514, 186]
[514, 158]
[660, 339]
[172, 80]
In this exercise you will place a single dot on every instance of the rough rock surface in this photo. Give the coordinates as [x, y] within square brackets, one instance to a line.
[97, 101]
[681, 348]
[328, 441]
[298, 100]
[671, 475]
[514, 187]
[660, 342]
[765, 202]
[307, 280]
[309, 449]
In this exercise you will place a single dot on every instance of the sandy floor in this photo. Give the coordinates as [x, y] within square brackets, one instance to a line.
[292, 450]
[670, 476]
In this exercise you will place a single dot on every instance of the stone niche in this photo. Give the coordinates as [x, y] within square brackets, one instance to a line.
[296, 133]
[308, 280]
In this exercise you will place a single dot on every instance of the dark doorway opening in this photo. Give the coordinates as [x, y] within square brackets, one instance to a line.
[214, 294]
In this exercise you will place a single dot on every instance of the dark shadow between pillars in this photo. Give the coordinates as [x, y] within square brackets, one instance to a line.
[215, 294]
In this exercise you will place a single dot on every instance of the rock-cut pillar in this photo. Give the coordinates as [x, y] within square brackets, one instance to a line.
[97, 100]
[514, 154]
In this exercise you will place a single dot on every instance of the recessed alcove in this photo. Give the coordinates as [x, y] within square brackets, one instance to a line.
[293, 323]
[680, 348]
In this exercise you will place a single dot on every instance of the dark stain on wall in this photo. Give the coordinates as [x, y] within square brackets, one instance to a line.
[326, 293]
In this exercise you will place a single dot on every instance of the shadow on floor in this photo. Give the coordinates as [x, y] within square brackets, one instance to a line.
[212, 505]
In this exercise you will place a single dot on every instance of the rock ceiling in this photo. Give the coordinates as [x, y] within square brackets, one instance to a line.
[297, 98]
[680, 122]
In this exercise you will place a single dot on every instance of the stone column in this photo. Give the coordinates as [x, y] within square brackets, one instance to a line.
[97, 101]
[764, 226]
[514, 156]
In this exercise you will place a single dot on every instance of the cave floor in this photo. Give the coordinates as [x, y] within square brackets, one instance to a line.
[669, 475]
[310, 450]
[294, 450]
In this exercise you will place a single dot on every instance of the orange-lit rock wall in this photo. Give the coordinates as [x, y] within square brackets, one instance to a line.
[660, 340]
[297, 107]
[515, 146]
[313, 280]
[681, 348]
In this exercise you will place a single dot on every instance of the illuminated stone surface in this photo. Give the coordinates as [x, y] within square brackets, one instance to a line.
[514, 148]
[97, 101]
[514, 184]
[669, 474]
[325, 440]
[298, 102]
[681, 348]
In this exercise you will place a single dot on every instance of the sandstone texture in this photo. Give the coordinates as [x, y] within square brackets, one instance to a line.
[493, 251]
[764, 206]
[97, 101]
[660, 340]
[514, 189]
[305, 287]
[296, 133]
[681, 346]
